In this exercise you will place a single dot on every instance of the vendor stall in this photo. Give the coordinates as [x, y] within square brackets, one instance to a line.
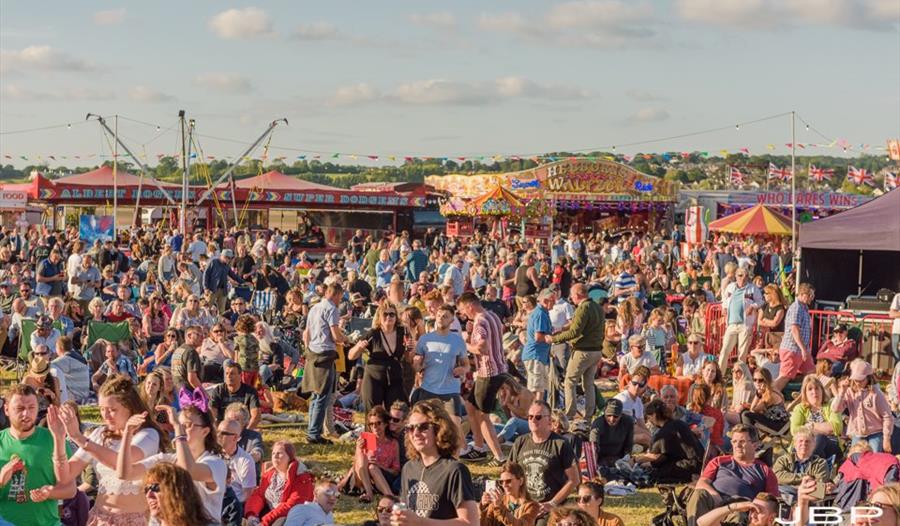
[585, 194]
[759, 220]
[493, 210]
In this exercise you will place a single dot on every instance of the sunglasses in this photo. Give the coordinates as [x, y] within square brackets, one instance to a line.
[383, 509]
[227, 434]
[536, 418]
[421, 428]
[506, 482]
[390, 315]
[395, 420]
[154, 488]
[759, 380]
[331, 493]
[693, 342]
[584, 499]
[638, 384]
[215, 331]
[374, 423]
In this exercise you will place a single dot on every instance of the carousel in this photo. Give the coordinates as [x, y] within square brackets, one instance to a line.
[493, 213]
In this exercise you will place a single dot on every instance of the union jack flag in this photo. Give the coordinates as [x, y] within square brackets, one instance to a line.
[890, 181]
[783, 174]
[860, 176]
[736, 176]
[820, 174]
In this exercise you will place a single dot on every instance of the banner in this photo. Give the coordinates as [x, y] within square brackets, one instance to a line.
[91, 228]
[13, 200]
[695, 228]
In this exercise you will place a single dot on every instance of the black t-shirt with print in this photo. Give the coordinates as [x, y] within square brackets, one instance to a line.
[436, 491]
[545, 464]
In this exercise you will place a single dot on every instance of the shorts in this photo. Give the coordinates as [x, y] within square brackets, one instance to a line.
[484, 395]
[452, 402]
[538, 375]
[792, 364]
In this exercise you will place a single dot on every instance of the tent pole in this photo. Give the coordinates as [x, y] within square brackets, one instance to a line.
[795, 257]
[116, 178]
[859, 289]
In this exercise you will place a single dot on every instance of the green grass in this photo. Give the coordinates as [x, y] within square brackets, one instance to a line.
[636, 509]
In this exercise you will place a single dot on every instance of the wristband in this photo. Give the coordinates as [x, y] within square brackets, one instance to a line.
[180, 437]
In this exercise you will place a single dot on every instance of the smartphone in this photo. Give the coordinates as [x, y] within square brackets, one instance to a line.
[370, 440]
[490, 485]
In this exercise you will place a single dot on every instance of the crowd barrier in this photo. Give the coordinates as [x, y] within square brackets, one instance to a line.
[871, 332]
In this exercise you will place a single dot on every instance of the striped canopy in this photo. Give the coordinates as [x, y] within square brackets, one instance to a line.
[757, 220]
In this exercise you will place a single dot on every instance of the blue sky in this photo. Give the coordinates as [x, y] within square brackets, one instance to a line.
[466, 78]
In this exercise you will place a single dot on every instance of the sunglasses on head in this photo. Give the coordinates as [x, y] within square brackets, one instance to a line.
[420, 427]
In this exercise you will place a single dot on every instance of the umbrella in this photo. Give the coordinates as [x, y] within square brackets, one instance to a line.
[757, 220]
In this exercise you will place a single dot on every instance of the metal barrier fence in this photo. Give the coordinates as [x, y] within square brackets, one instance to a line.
[871, 333]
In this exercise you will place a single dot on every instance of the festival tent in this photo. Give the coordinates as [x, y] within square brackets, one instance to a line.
[855, 252]
[277, 181]
[758, 220]
[103, 176]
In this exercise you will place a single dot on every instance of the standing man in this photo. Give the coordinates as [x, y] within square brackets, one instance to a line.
[585, 333]
[215, 279]
[321, 337]
[51, 276]
[455, 277]
[536, 351]
[742, 300]
[486, 344]
[84, 281]
[795, 352]
[186, 362]
[547, 458]
[416, 262]
[28, 487]
[442, 359]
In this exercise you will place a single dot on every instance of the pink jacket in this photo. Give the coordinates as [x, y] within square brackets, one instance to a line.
[869, 410]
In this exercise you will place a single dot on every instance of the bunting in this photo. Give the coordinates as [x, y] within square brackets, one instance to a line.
[860, 176]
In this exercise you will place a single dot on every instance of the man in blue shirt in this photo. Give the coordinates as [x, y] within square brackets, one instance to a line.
[416, 262]
[741, 301]
[538, 337]
[215, 279]
[441, 356]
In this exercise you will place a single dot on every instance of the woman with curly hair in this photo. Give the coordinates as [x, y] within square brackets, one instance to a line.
[432, 441]
[119, 502]
[172, 498]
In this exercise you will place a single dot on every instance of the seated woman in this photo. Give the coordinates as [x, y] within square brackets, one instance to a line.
[742, 392]
[375, 463]
[515, 401]
[813, 412]
[691, 363]
[283, 485]
[383, 512]
[699, 403]
[172, 497]
[162, 354]
[636, 356]
[766, 412]
[675, 454]
[508, 503]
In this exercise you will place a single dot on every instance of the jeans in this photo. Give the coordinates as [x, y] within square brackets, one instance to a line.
[318, 405]
[876, 441]
[895, 346]
[513, 428]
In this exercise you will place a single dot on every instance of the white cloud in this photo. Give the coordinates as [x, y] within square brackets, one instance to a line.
[109, 18]
[18, 93]
[250, 22]
[768, 14]
[592, 23]
[456, 93]
[353, 95]
[648, 114]
[41, 58]
[316, 31]
[224, 82]
[145, 94]
[442, 20]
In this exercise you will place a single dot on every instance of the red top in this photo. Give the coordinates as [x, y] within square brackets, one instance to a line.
[299, 489]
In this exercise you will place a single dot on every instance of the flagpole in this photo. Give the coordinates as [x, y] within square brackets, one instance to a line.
[796, 259]
[116, 178]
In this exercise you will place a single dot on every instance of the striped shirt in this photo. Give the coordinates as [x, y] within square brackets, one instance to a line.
[487, 327]
[797, 314]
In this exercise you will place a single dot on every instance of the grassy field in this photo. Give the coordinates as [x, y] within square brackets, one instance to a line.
[637, 509]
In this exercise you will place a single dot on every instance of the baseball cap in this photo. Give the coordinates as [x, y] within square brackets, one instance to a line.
[228, 253]
[613, 408]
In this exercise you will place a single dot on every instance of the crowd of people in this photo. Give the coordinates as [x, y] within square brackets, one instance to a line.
[428, 354]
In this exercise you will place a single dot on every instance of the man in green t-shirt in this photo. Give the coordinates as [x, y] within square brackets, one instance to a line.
[28, 488]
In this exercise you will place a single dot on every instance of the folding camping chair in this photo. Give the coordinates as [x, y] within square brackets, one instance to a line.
[263, 303]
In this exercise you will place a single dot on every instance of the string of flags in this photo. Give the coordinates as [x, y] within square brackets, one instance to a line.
[858, 176]
[669, 157]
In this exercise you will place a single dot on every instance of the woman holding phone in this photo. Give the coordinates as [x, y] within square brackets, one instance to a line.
[377, 458]
[382, 383]
[508, 503]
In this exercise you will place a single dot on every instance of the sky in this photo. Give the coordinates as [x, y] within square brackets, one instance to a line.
[448, 79]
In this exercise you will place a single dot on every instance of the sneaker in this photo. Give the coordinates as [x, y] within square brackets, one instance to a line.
[474, 456]
[320, 441]
[494, 462]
